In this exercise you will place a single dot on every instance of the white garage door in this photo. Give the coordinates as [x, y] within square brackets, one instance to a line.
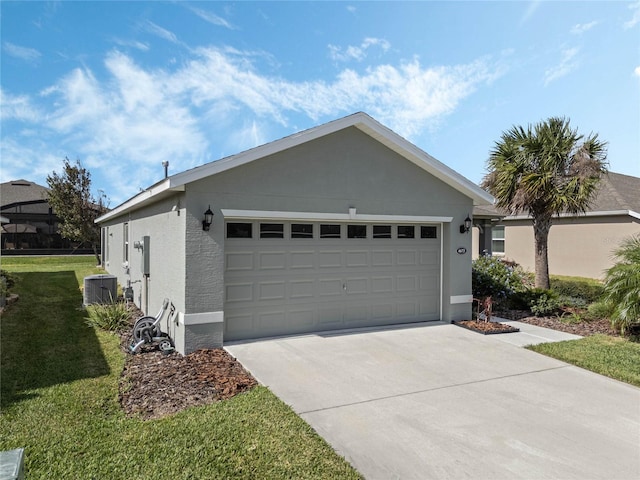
[295, 277]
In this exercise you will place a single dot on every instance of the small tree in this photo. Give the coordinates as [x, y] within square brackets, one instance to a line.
[622, 286]
[545, 170]
[71, 199]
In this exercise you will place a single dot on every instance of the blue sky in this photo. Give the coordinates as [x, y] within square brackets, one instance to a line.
[123, 86]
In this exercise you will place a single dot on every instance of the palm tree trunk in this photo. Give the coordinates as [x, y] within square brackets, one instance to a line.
[541, 227]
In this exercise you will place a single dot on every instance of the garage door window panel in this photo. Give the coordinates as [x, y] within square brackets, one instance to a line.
[428, 231]
[271, 230]
[301, 230]
[356, 231]
[406, 231]
[382, 231]
[330, 230]
[239, 230]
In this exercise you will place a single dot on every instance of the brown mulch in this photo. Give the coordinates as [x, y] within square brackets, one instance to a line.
[486, 328]
[583, 328]
[154, 384]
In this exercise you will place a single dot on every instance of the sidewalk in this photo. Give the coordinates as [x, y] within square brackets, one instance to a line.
[531, 334]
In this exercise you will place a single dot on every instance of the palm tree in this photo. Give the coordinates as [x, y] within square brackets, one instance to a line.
[545, 170]
[622, 286]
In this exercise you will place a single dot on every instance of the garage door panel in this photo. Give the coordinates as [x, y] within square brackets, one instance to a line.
[356, 286]
[382, 258]
[330, 287]
[302, 289]
[272, 260]
[304, 259]
[239, 261]
[358, 259]
[289, 286]
[242, 292]
[382, 284]
[271, 291]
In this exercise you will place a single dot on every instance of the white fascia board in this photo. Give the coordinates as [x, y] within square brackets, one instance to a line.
[140, 199]
[336, 217]
[610, 213]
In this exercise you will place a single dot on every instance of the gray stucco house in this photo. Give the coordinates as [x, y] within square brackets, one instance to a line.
[343, 225]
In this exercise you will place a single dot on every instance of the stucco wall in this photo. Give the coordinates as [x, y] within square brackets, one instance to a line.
[328, 175]
[164, 223]
[580, 247]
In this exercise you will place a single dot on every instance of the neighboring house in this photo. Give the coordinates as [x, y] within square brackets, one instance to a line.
[340, 226]
[579, 245]
[32, 224]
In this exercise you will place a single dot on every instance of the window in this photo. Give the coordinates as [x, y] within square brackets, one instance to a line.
[356, 231]
[406, 231]
[329, 231]
[428, 231]
[382, 231]
[271, 230]
[301, 230]
[125, 236]
[239, 230]
[105, 245]
[497, 239]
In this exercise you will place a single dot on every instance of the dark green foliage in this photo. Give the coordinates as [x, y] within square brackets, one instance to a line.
[545, 170]
[545, 305]
[523, 300]
[622, 287]
[491, 276]
[112, 317]
[588, 290]
[71, 199]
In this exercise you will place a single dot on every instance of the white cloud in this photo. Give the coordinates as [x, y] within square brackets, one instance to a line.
[212, 18]
[125, 125]
[635, 18]
[636, 71]
[132, 43]
[567, 65]
[580, 28]
[358, 52]
[24, 53]
[17, 108]
[158, 31]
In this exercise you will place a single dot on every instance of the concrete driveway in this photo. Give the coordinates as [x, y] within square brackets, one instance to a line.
[440, 402]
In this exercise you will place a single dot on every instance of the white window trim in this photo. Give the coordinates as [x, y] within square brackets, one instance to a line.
[352, 216]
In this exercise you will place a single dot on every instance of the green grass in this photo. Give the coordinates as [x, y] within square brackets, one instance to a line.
[614, 357]
[59, 401]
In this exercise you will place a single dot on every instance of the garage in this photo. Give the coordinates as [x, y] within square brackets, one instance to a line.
[288, 277]
[344, 225]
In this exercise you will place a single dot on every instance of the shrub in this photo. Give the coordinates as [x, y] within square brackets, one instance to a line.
[622, 286]
[576, 287]
[599, 310]
[112, 317]
[494, 277]
[524, 299]
[545, 305]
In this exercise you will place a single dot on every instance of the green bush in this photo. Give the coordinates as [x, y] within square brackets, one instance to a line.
[622, 286]
[494, 277]
[588, 290]
[112, 317]
[524, 299]
[8, 283]
[599, 310]
[545, 305]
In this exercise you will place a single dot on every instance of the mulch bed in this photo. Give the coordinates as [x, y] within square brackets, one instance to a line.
[154, 384]
[486, 328]
[584, 328]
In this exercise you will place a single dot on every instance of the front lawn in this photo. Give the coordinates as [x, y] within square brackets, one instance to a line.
[59, 400]
[614, 357]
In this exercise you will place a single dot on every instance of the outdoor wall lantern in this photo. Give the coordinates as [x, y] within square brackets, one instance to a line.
[208, 219]
[467, 225]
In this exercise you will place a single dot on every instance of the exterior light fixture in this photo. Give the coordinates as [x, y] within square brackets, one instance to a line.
[208, 219]
[466, 226]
